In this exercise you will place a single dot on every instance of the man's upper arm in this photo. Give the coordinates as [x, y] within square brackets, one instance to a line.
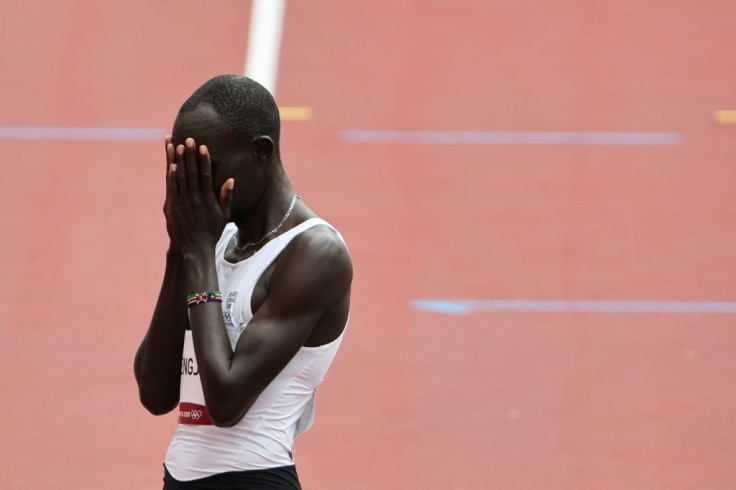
[312, 275]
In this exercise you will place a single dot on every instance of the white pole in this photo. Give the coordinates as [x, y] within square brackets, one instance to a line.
[264, 41]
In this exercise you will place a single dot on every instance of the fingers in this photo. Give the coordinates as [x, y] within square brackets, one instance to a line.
[181, 172]
[205, 175]
[192, 172]
[171, 182]
[169, 152]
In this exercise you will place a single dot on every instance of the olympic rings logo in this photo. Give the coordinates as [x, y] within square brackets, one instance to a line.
[196, 414]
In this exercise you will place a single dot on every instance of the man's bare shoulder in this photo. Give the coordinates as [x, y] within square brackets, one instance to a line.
[316, 258]
[321, 243]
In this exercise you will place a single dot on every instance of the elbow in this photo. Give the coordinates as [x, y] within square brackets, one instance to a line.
[224, 423]
[155, 403]
[158, 407]
[226, 415]
[154, 399]
[221, 418]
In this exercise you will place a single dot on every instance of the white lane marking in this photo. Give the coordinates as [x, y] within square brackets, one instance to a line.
[264, 42]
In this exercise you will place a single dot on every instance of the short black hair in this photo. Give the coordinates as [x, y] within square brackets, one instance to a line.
[244, 103]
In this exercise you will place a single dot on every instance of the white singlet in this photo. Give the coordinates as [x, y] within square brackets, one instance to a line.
[264, 438]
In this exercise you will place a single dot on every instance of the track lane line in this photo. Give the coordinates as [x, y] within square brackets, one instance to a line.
[464, 307]
[80, 133]
[514, 137]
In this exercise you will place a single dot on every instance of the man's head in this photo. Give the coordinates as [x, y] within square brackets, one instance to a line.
[238, 120]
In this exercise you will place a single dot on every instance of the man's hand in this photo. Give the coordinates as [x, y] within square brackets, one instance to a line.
[195, 217]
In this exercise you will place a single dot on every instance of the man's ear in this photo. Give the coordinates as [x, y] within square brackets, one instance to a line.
[262, 147]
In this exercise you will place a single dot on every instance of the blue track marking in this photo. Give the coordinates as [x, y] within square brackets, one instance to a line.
[464, 307]
[96, 134]
[514, 137]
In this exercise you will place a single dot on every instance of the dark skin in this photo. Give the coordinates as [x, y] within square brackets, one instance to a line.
[302, 299]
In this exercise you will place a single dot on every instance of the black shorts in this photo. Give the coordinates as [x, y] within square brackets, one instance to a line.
[281, 478]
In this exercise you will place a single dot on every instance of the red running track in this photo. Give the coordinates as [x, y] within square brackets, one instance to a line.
[414, 400]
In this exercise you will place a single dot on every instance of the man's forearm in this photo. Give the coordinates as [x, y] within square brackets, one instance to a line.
[211, 342]
[158, 360]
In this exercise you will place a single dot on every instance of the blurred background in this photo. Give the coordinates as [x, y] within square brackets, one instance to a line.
[539, 198]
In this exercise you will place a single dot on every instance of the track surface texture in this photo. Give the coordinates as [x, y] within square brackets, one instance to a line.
[415, 399]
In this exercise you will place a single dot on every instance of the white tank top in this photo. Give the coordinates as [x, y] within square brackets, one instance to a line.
[264, 438]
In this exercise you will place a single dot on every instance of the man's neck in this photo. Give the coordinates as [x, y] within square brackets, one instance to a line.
[268, 212]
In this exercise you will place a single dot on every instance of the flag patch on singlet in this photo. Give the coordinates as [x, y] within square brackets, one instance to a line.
[193, 414]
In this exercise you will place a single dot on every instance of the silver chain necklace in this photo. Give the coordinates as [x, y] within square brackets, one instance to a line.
[248, 245]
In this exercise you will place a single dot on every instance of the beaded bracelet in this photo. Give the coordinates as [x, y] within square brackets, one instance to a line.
[205, 297]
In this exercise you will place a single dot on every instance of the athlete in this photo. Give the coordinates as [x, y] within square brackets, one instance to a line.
[254, 301]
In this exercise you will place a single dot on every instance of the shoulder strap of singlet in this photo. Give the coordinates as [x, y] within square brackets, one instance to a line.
[310, 223]
[227, 235]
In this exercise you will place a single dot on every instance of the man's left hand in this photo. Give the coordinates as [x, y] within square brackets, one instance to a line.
[196, 214]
